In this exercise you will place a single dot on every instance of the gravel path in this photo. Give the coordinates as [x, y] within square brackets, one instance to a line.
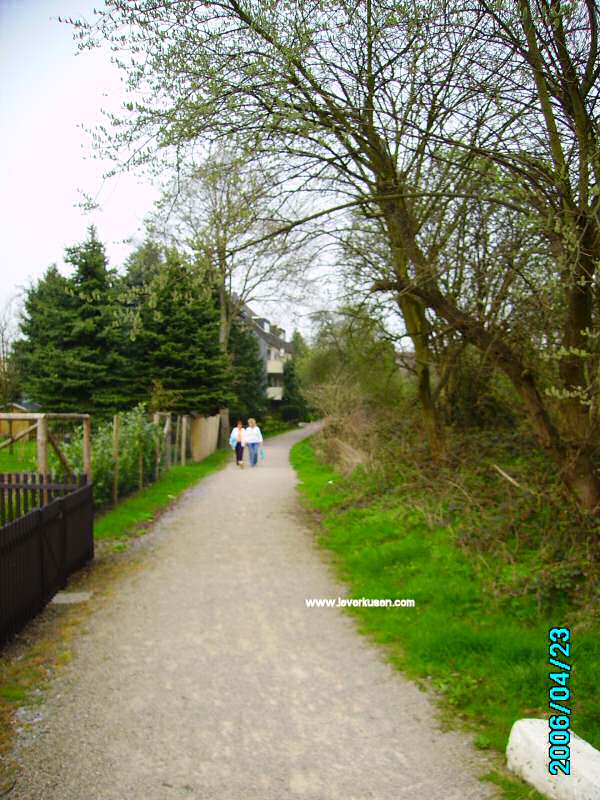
[207, 677]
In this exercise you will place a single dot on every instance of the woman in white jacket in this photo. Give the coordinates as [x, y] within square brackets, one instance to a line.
[253, 440]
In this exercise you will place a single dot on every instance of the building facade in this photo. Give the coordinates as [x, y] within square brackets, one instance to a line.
[274, 351]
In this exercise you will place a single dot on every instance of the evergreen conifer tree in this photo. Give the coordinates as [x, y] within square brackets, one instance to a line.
[178, 341]
[73, 348]
[293, 405]
[48, 317]
[249, 377]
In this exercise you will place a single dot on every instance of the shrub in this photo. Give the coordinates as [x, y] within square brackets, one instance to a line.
[137, 434]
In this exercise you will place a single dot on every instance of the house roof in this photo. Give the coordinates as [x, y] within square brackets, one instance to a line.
[25, 406]
[270, 338]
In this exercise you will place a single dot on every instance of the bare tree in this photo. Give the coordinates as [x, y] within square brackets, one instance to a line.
[216, 210]
[10, 375]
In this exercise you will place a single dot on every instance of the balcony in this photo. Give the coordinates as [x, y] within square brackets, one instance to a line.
[275, 392]
[275, 366]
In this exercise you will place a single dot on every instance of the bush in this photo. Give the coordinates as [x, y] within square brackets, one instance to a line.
[136, 434]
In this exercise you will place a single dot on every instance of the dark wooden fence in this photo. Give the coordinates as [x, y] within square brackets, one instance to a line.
[49, 535]
[21, 492]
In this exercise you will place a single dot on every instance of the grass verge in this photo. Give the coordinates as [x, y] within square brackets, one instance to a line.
[22, 459]
[488, 661]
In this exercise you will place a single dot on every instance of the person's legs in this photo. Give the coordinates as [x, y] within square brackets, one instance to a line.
[253, 454]
[239, 452]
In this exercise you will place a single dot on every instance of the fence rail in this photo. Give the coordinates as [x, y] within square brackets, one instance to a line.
[42, 546]
[21, 492]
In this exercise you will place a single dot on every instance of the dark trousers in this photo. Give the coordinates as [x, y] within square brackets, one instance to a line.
[239, 452]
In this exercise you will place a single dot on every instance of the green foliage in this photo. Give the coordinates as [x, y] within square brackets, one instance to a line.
[249, 378]
[137, 435]
[477, 395]
[293, 405]
[22, 459]
[177, 342]
[272, 425]
[72, 348]
[489, 664]
[97, 343]
[143, 265]
[346, 348]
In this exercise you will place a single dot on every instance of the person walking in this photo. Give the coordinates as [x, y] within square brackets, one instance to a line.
[254, 440]
[237, 440]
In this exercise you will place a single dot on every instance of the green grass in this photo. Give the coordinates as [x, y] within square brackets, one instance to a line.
[275, 427]
[131, 515]
[23, 458]
[488, 660]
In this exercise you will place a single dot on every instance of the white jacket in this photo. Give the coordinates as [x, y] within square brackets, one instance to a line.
[253, 435]
[233, 437]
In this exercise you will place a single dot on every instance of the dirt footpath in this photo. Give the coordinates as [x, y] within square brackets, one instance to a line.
[207, 677]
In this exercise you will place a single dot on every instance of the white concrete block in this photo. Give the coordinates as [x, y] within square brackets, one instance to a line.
[67, 598]
[527, 756]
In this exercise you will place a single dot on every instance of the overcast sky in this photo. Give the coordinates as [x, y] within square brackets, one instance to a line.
[47, 93]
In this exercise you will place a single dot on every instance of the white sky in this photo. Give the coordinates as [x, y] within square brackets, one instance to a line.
[48, 93]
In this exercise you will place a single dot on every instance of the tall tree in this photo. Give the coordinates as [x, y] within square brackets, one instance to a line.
[72, 341]
[249, 380]
[293, 405]
[330, 90]
[215, 210]
[177, 342]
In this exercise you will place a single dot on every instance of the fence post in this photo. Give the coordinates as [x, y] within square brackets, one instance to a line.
[87, 448]
[42, 445]
[156, 421]
[116, 427]
[177, 431]
[141, 465]
[168, 426]
[42, 454]
[184, 427]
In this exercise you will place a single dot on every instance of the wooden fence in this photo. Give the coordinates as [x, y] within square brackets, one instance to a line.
[21, 492]
[38, 424]
[40, 548]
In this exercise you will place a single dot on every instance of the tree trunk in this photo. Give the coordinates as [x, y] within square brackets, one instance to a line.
[224, 427]
[224, 330]
[413, 313]
[416, 325]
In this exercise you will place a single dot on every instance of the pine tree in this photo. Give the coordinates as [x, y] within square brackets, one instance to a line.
[48, 317]
[249, 377]
[99, 357]
[293, 405]
[178, 340]
[74, 349]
